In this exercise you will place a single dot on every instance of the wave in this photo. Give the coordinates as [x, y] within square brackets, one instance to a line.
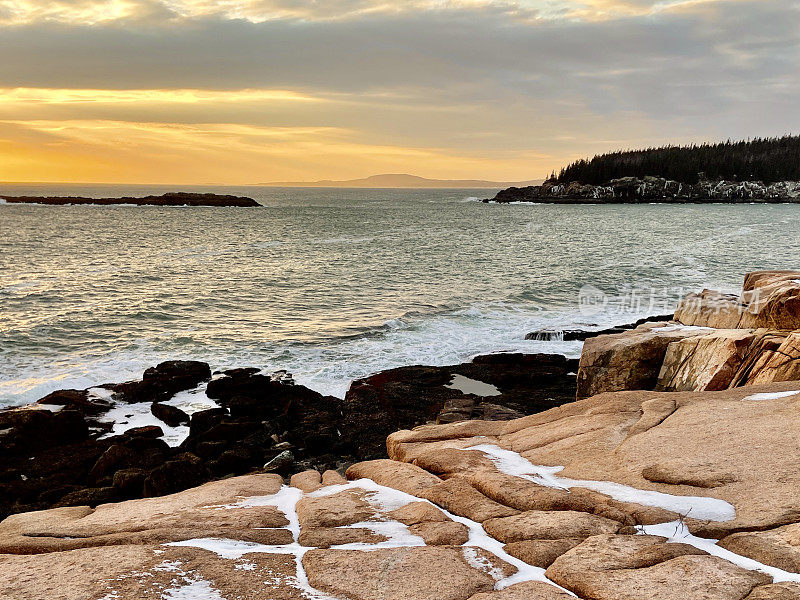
[435, 335]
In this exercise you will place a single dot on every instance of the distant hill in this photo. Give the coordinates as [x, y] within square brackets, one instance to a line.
[402, 181]
[768, 160]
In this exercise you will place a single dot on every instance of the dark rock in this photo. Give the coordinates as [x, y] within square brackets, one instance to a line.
[237, 461]
[163, 381]
[171, 415]
[283, 463]
[571, 335]
[168, 199]
[148, 431]
[111, 460]
[76, 400]
[181, 473]
[178, 375]
[406, 397]
[210, 450]
[495, 412]
[228, 431]
[130, 482]
[29, 430]
[89, 497]
[204, 420]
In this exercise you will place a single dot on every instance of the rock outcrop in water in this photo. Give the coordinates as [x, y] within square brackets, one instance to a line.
[627, 495]
[716, 342]
[68, 450]
[634, 190]
[168, 199]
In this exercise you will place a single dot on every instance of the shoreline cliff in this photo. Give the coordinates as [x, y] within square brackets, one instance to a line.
[635, 190]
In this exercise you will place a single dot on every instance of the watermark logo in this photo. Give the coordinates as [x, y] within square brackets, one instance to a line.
[651, 300]
[592, 300]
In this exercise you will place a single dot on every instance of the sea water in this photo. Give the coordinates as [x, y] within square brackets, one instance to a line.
[334, 284]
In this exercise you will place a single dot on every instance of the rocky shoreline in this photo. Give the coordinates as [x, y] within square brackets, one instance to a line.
[180, 426]
[168, 199]
[634, 190]
[675, 474]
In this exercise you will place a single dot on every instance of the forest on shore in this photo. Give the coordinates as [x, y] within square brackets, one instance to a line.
[761, 159]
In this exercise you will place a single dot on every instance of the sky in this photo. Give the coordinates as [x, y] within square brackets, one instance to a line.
[249, 91]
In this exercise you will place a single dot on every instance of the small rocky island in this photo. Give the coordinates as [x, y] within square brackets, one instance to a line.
[168, 199]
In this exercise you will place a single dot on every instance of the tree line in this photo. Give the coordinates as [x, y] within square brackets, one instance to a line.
[760, 159]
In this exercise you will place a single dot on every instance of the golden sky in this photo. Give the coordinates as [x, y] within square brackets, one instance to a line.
[249, 91]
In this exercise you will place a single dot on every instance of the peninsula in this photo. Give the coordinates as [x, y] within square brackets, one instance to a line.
[760, 170]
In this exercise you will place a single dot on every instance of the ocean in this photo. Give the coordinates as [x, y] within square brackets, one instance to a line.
[334, 284]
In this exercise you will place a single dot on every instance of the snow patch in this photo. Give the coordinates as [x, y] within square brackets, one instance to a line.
[472, 386]
[677, 532]
[481, 563]
[771, 396]
[397, 536]
[199, 589]
[698, 507]
[680, 327]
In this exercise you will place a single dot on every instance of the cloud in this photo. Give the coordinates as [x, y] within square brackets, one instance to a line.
[514, 87]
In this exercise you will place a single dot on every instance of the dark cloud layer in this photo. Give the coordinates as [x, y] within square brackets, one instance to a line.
[484, 76]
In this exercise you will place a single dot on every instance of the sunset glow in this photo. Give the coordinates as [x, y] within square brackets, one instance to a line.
[249, 91]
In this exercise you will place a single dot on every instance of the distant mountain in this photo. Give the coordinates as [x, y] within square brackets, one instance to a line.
[403, 181]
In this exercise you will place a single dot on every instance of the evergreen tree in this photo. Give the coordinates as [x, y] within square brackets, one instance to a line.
[761, 159]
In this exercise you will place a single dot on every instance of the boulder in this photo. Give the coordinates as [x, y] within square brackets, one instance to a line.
[541, 553]
[419, 573]
[528, 590]
[628, 361]
[777, 591]
[405, 397]
[343, 508]
[460, 498]
[777, 360]
[401, 476]
[441, 533]
[170, 415]
[548, 525]
[779, 547]
[644, 567]
[705, 362]
[282, 463]
[769, 299]
[307, 481]
[163, 381]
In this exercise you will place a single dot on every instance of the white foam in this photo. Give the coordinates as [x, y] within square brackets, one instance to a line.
[771, 395]
[48, 407]
[472, 386]
[678, 533]
[192, 401]
[697, 507]
[125, 417]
